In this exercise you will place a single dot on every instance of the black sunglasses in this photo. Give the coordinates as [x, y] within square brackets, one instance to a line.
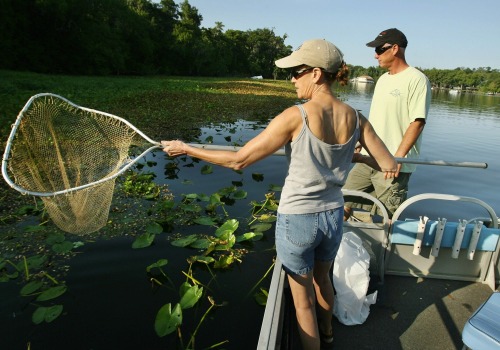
[380, 50]
[297, 73]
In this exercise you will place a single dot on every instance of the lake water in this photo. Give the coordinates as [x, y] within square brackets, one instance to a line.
[111, 304]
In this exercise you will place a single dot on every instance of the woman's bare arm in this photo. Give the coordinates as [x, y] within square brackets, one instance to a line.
[380, 157]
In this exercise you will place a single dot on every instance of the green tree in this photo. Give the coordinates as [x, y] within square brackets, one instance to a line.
[188, 38]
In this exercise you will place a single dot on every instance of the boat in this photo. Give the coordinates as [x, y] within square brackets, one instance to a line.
[363, 79]
[430, 275]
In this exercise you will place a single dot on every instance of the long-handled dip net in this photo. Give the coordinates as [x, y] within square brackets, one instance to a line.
[70, 156]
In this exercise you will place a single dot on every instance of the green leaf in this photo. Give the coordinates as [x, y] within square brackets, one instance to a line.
[154, 228]
[143, 241]
[53, 312]
[31, 287]
[229, 226]
[184, 288]
[204, 220]
[215, 199]
[275, 188]
[39, 315]
[190, 297]
[227, 191]
[250, 236]
[185, 241]
[63, 247]
[227, 242]
[258, 177]
[202, 243]
[55, 238]
[34, 262]
[203, 197]
[240, 194]
[78, 244]
[267, 218]
[206, 169]
[190, 208]
[167, 320]
[159, 263]
[52, 293]
[261, 227]
[261, 297]
[224, 262]
[209, 139]
[34, 228]
[203, 259]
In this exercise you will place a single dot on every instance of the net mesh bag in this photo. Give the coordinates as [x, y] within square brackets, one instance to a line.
[60, 146]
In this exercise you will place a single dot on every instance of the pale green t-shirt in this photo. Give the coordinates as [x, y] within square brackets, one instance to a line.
[397, 101]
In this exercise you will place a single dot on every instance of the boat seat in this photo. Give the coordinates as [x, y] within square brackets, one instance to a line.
[482, 329]
[440, 249]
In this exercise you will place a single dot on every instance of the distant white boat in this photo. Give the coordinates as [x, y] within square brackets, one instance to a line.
[454, 91]
[364, 79]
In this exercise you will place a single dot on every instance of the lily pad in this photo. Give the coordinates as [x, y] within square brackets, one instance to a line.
[144, 240]
[190, 297]
[52, 293]
[262, 227]
[31, 287]
[185, 241]
[159, 263]
[250, 236]
[205, 220]
[229, 226]
[47, 314]
[207, 169]
[167, 320]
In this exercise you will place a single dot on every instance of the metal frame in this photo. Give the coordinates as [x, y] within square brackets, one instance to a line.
[401, 260]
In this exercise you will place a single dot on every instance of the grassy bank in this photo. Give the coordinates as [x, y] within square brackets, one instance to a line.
[160, 106]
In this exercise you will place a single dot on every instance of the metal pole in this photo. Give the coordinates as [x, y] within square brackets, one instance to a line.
[281, 152]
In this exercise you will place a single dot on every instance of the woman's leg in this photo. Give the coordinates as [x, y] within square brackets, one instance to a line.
[324, 295]
[304, 301]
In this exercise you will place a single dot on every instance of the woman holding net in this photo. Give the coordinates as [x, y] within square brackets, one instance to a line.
[319, 137]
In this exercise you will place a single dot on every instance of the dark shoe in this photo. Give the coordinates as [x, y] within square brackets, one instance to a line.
[326, 338]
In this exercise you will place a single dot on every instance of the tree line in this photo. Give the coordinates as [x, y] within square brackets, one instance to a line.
[139, 37]
[129, 37]
[483, 79]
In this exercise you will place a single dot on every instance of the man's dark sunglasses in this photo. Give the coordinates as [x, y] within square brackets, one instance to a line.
[380, 50]
[297, 73]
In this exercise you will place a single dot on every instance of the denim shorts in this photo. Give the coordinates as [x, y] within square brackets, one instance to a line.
[302, 239]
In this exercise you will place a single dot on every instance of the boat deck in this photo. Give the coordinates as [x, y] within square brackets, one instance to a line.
[410, 313]
[425, 296]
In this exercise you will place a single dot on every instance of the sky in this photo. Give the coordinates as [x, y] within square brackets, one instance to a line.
[442, 34]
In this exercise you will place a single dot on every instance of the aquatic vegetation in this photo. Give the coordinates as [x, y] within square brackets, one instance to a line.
[37, 256]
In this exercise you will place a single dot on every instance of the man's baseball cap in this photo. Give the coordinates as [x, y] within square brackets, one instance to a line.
[389, 36]
[314, 53]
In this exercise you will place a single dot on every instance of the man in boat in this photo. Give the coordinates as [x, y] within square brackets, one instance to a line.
[398, 112]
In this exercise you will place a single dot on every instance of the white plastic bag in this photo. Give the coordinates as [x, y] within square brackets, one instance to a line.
[350, 280]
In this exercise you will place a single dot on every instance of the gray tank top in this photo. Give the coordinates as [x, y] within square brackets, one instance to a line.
[317, 171]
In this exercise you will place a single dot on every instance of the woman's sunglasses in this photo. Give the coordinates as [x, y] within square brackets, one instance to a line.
[298, 73]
